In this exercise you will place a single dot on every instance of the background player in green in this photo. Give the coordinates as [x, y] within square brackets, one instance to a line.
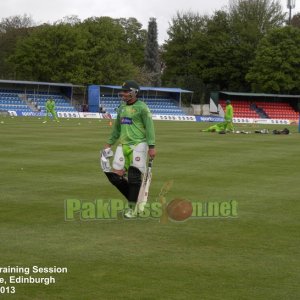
[135, 131]
[228, 117]
[50, 109]
[215, 128]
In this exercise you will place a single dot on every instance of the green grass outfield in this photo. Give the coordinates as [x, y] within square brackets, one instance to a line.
[253, 256]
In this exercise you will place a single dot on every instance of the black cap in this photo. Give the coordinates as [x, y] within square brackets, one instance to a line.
[130, 85]
[228, 101]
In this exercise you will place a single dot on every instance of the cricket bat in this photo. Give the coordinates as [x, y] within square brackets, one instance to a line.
[144, 190]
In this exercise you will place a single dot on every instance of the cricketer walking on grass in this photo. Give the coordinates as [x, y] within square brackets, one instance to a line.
[50, 109]
[134, 129]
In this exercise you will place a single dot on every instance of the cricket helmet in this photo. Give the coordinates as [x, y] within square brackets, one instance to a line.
[130, 85]
[228, 101]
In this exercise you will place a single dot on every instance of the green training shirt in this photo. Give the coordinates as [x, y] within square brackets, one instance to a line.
[133, 125]
[50, 105]
[229, 112]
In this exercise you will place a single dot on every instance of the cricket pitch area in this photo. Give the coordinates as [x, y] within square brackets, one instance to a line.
[254, 255]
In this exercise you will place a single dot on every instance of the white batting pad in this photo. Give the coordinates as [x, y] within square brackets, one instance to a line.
[119, 159]
[140, 156]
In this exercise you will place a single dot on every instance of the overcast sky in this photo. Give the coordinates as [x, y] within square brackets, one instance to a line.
[52, 10]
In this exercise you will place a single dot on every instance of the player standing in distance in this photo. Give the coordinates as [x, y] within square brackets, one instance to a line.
[228, 117]
[50, 109]
[134, 129]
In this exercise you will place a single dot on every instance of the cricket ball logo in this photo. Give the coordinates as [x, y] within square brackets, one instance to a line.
[176, 210]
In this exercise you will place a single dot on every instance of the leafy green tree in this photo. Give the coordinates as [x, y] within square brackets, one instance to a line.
[254, 18]
[94, 51]
[197, 54]
[179, 52]
[251, 20]
[11, 30]
[135, 38]
[107, 58]
[276, 66]
[51, 53]
[215, 52]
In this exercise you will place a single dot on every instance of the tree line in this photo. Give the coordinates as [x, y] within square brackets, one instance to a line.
[247, 46]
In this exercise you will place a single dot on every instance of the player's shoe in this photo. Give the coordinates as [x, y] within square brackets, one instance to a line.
[44, 122]
[129, 214]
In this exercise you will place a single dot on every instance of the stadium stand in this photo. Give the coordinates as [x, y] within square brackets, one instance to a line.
[164, 106]
[160, 100]
[61, 103]
[242, 109]
[158, 106]
[278, 110]
[11, 99]
[261, 109]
